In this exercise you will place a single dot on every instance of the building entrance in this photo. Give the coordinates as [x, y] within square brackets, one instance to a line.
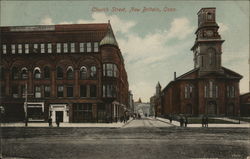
[59, 111]
[212, 108]
[59, 116]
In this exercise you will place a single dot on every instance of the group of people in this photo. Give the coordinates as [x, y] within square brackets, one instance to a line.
[204, 121]
[50, 122]
[183, 121]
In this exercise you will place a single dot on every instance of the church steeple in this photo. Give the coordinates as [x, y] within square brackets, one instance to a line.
[207, 48]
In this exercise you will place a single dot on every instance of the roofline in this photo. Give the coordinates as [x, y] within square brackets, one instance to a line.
[205, 8]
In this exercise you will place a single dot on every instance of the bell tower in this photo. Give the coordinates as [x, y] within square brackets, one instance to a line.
[207, 47]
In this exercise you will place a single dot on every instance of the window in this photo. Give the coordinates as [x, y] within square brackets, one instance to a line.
[24, 73]
[209, 16]
[42, 48]
[14, 91]
[83, 91]
[92, 90]
[96, 47]
[60, 91]
[47, 91]
[110, 70]
[72, 47]
[93, 72]
[88, 47]
[58, 47]
[59, 73]
[81, 47]
[83, 73]
[211, 90]
[65, 47]
[13, 48]
[38, 92]
[4, 48]
[69, 91]
[26, 48]
[49, 48]
[230, 91]
[46, 72]
[2, 72]
[35, 48]
[188, 91]
[14, 73]
[70, 73]
[20, 48]
[109, 90]
[210, 58]
[37, 73]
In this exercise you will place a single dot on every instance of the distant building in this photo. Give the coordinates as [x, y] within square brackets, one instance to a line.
[142, 108]
[75, 73]
[209, 88]
[155, 101]
[245, 104]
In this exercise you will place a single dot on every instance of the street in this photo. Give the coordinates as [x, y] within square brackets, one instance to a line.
[145, 138]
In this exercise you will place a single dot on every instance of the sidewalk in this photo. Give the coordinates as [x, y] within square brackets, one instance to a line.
[176, 123]
[44, 124]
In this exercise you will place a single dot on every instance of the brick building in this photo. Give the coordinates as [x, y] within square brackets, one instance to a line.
[209, 88]
[72, 72]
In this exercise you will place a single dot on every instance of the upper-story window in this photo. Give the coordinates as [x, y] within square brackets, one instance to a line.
[58, 47]
[4, 48]
[20, 49]
[70, 73]
[35, 48]
[96, 47]
[209, 16]
[42, 48]
[83, 73]
[37, 73]
[26, 48]
[38, 92]
[60, 91]
[109, 90]
[46, 72]
[81, 46]
[24, 73]
[89, 47]
[65, 47]
[59, 73]
[13, 48]
[188, 91]
[93, 72]
[93, 92]
[49, 47]
[230, 91]
[14, 73]
[72, 47]
[2, 73]
[211, 90]
[47, 91]
[110, 70]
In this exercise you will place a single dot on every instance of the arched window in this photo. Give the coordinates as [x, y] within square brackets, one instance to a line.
[46, 72]
[83, 73]
[37, 73]
[70, 74]
[1, 73]
[24, 73]
[93, 72]
[59, 73]
[14, 73]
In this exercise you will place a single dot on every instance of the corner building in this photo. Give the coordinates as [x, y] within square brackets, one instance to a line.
[75, 73]
[209, 88]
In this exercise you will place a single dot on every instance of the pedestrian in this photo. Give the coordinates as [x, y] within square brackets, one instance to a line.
[186, 121]
[206, 121]
[181, 121]
[50, 121]
[170, 118]
[57, 122]
[203, 121]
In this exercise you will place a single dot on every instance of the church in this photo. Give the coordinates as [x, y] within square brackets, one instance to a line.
[209, 88]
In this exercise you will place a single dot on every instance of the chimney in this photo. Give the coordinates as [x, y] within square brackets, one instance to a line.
[174, 76]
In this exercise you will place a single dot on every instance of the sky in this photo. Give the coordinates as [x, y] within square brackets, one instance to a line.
[155, 43]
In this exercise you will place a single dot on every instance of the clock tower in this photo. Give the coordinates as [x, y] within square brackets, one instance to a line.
[207, 47]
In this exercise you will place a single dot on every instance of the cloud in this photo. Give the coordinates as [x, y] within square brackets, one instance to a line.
[46, 21]
[180, 28]
[118, 24]
[223, 27]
